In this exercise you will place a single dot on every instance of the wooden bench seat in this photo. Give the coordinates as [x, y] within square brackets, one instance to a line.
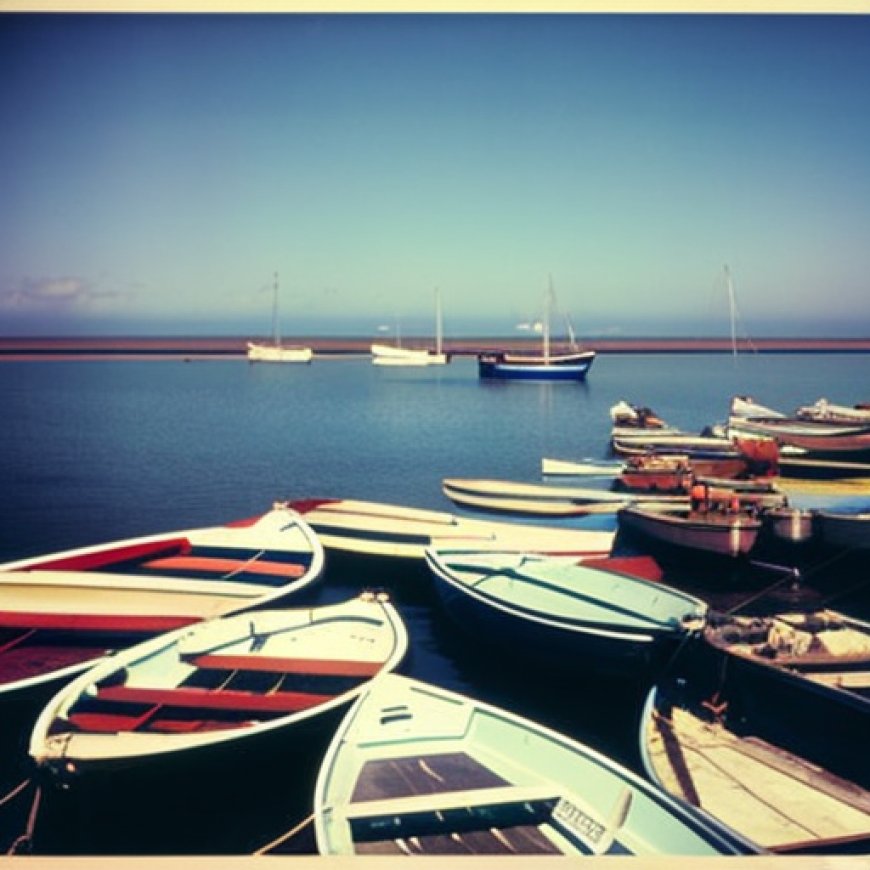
[213, 699]
[225, 566]
[284, 665]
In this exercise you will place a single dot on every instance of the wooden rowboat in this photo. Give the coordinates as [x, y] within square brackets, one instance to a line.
[61, 612]
[707, 754]
[721, 533]
[417, 770]
[399, 532]
[224, 681]
[594, 615]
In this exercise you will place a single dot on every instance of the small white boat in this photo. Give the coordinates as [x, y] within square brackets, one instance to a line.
[580, 467]
[399, 532]
[530, 499]
[395, 355]
[276, 351]
[222, 681]
[596, 615]
[61, 612]
[418, 770]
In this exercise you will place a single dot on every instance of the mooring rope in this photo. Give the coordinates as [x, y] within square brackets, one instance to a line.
[24, 844]
[15, 792]
[263, 850]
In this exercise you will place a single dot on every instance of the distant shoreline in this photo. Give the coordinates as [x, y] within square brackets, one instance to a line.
[126, 347]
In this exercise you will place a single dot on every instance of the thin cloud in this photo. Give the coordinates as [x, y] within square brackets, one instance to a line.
[53, 294]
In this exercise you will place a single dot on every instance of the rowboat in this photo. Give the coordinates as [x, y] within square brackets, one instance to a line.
[722, 533]
[747, 418]
[415, 769]
[399, 532]
[846, 530]
[703, 751]
[61, 612]
[529, 499]
[551, 467]
[794, 525]
[223, 681]
[594, 615]
[826, 650]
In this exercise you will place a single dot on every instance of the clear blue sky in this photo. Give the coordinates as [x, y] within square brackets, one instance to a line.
[155, 171]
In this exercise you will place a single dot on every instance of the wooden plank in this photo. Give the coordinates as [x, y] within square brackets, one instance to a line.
[285, 665]
[206, 699]
[225, 567]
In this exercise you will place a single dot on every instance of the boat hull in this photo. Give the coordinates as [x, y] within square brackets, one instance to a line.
[279, 354]
[570, 367]
[844, 531]
[721, 535]
[597, 642]
[415, 769]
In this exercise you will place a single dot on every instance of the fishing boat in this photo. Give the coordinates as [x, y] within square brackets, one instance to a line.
[725, 533]
[396, 355]
[703, 749]
[415, 769]
[824, 410]
[388, 531]
[595, 615]
[220, 682]
[845, 529]
[276, 351]
[61, 612]
[816, 653]
[530, 499]
[571, 365]
[749, 419]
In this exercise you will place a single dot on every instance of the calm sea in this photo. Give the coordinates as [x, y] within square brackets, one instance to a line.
[95, 451]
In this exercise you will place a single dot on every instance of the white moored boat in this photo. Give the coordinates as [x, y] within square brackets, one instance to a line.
[60, 612]
[222, 681]
[276, 351]
[395, 355]
[417, 770]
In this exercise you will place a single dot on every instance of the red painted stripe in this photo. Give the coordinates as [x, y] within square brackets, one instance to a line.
[93, 622]
[280, 665]
[225, 566]
[642, 567]
[305, 505]
[111, 555]
[222, 699]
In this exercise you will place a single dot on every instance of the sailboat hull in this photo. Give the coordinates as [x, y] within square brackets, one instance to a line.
[566, 367]
[276, 353]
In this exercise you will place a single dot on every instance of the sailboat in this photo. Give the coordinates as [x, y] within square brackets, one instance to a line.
[546, 366]
[276, 352]
[396, 355]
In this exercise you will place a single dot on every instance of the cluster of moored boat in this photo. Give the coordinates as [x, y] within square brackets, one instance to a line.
[197, 646]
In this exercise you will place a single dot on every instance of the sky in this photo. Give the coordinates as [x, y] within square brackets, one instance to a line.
[157, 171]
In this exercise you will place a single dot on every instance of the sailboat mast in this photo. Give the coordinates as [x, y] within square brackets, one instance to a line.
[276, 333]
[547, 303]
[438, 330]
[732, 307]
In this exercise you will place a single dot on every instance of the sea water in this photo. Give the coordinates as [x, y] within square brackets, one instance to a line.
[94, 451]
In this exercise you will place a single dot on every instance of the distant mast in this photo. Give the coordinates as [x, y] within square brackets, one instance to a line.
[548, 299]
[276, 329]
[732, 308]
[438, 329]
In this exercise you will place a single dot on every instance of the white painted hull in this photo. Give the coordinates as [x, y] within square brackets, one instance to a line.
[394, 531]
[278, 354]
[366, 632]
[388, 355]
